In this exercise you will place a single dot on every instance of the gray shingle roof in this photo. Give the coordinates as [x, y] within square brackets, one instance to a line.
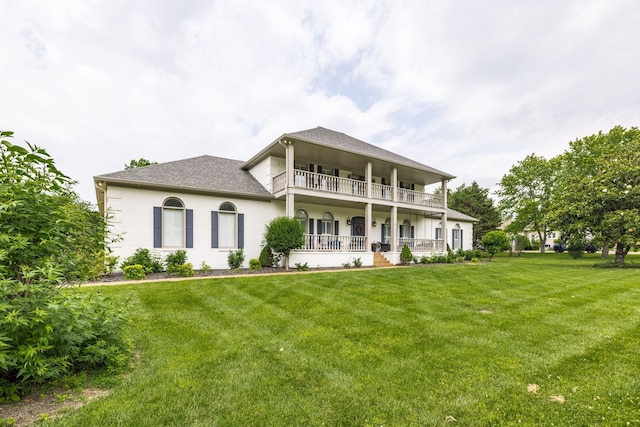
[345, 142]
[203, 173]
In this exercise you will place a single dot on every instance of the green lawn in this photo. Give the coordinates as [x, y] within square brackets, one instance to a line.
[403, 346]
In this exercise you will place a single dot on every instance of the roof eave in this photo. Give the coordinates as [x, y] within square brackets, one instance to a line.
[187, 189]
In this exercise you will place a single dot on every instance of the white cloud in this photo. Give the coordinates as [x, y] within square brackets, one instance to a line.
[467, 87]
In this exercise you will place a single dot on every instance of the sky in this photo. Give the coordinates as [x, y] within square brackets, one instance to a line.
[468, 87]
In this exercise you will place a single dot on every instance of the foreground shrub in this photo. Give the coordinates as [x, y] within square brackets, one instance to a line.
[48, 332]
[266, 257]
[406, 256]
[184, 270]
[235, 259]
[175, 260]
[254, 264]
[576, 248]
[134, 272]
[302, 267]
[151, 262]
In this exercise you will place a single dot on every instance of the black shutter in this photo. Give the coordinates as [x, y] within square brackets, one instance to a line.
[336, 172]
[240, 231]
[413, 231]
[311, 166]
[157, 227]
[214, 229]
[461, 239]
[453, 239]
[319, 230]
[382, 230]
[189, 237]
[337, 228]
[311, 222]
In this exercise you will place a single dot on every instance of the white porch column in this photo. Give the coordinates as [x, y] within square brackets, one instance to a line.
[444, 214]
[394, 184]
[368, 178]
[394, 228]
[289, 167]
[368, 219]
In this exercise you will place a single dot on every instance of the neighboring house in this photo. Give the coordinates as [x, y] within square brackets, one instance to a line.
[351, 197]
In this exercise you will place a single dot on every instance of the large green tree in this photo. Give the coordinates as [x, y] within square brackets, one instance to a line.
[525, 196]
[42, 220]
[598, 194]
[475, 201]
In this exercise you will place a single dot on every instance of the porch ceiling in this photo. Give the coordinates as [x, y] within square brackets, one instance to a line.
[357, 163]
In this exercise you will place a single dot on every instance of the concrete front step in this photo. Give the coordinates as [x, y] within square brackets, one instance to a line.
[380, 261]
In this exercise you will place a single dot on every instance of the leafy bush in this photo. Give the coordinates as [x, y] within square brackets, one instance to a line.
[48, 332]
[284, 234]
[495, 241]
[424, 259]
[42, 219]
[302, 267]
[235, 259]
[357, 262]
[468, 254]
[405, 255]
[184, 270]
[204, 266]
[134, 272]
[175, 260]
[254, 264]
[151, 261]
[266, 257]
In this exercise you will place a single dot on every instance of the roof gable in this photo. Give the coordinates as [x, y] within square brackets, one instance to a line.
[344, 142]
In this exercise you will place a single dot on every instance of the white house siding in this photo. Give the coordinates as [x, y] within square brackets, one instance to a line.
[132, 210]
[267, 169]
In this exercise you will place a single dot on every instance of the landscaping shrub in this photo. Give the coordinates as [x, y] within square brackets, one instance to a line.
[495, 241]
[235, 259]
[184, 270]
[357, 262]
[302, 267]
[175, 260]
[266, 257]
[48, 332]
[151, 261]
[204, 266]
[406, 256]
[424, 259]
[254, 264]
[134, 272]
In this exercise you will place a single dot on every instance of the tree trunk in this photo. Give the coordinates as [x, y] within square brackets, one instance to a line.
[605, 251]
[543, 240]
[621, 252]
[286, 263]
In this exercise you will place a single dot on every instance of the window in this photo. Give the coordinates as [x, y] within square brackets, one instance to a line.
[227, 227]
[172, 225]
[386, 231]
[455, 237]
[405, 228]
[303, 219]
[326, 224]
[439, 231]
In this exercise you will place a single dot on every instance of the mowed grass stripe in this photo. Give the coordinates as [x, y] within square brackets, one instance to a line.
[404, 346]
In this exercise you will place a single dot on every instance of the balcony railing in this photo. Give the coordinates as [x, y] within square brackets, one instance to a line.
[421, 245]
[353, 187]
[329, 243]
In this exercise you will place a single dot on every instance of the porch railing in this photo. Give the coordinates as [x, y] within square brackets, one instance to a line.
[353, 187]
[329, 243]
[279, 182]
[421, 245]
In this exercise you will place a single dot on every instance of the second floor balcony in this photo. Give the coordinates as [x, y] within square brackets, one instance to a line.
[329, 184]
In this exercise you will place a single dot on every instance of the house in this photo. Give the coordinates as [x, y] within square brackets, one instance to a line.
[353, 199]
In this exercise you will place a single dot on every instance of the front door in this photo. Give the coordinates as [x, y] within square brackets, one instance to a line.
[357, 226]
